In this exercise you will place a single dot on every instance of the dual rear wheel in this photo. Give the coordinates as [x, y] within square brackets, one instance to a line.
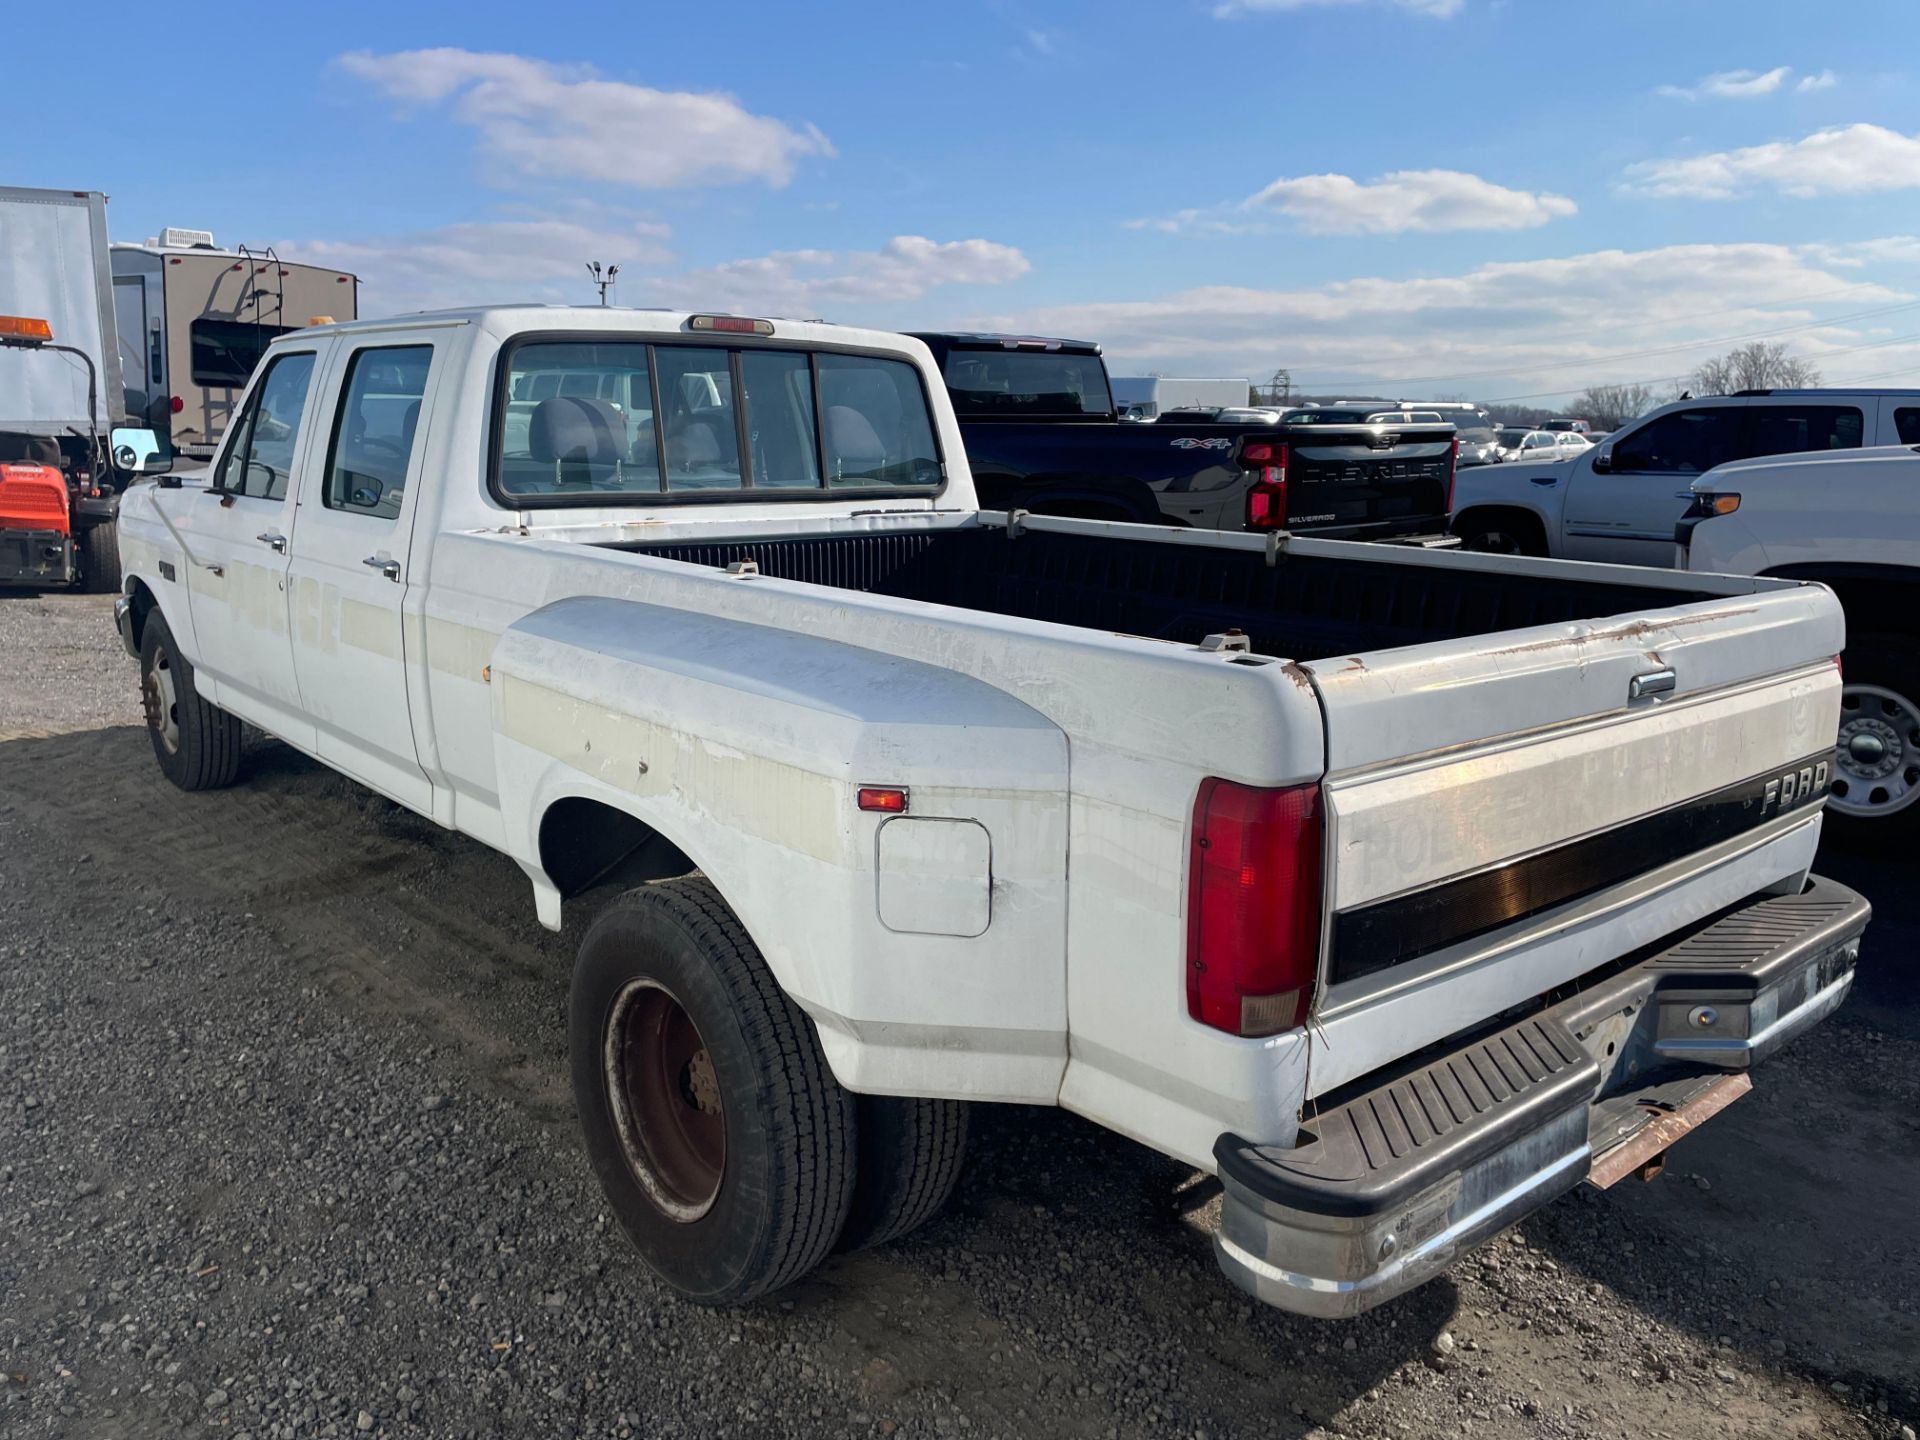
[726, 1149]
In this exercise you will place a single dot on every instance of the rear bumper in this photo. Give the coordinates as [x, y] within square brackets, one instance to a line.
[1395, 1182]
[36, 557]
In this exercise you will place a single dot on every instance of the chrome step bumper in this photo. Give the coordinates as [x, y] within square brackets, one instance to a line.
[1390, 1185]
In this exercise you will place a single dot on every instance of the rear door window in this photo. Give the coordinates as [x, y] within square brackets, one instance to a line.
[260, 459]
[375, 429]
[1907, 423]
[1791, 429]
[1682, 442]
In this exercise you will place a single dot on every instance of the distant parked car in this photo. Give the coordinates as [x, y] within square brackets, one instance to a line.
[1479, 445]
[1540, 446]
[1567, 426]
[1851, 520]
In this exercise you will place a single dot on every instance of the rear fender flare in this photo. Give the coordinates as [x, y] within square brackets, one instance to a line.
[743, 745]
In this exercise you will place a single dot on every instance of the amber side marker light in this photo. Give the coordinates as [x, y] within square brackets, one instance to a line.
[885, 799]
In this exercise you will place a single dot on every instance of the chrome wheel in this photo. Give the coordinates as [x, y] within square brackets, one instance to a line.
[1877, 760]
[667, 1110]
[160, 698]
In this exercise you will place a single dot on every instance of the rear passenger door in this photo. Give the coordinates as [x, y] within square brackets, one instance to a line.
[350, 558]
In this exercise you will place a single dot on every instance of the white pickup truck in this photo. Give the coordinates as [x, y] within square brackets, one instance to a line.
[1402, 889]
[1849, 519]
[1619, 500]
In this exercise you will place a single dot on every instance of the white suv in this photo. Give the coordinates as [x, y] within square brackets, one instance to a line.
[1620, 500]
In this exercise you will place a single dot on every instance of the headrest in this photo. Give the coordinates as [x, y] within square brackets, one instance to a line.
[851, 436]
[576, 427]
[692, 445]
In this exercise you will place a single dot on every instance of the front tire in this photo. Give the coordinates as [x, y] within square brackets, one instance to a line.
[197, 744]
[1876, 779]
[722, 1140]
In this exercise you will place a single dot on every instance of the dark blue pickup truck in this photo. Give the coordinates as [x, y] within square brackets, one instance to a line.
[1042, 435]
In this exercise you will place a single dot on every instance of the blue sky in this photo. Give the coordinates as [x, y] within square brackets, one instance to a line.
[1488, 197]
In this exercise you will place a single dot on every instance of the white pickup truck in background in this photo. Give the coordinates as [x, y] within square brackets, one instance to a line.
[1619, 501]
[1397, 887]
[1849, 519]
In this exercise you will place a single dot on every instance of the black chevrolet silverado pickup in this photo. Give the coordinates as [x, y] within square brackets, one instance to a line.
[1042, 435]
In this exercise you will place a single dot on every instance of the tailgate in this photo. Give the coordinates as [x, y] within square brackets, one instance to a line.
[1340, 478]
[1507, 812]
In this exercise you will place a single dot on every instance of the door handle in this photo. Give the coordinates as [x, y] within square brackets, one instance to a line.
[274, 539]
[388, 568]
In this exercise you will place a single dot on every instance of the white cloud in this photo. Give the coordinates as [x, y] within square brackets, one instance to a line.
[1501, 329]
[485, 261]
[1407, 200]
[1825, 80]
[1845, 160]
[1436, 9]
[1735, 85]
[815, 282]
[540, 120]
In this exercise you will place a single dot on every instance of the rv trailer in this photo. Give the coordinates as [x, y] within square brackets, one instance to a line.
[193, 320]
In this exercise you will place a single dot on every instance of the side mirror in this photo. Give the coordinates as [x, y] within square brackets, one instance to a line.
[1603, 459]
[138, 452]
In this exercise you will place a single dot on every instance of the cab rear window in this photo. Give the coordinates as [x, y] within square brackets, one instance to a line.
[605, 422]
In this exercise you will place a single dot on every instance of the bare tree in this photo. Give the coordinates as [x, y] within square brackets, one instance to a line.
[1754, 366]
[1609, 407]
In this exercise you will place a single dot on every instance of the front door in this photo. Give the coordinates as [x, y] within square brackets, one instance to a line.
[239, 533]
[349, 572]
[1627, 513]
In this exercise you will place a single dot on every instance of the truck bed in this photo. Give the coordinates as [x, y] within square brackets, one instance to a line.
[1305, 607]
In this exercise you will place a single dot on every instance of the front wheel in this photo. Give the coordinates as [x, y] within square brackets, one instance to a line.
[724, 1144]
[1876, 773]
[197, 744]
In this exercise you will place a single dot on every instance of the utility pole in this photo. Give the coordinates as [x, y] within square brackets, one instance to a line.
[602, 277]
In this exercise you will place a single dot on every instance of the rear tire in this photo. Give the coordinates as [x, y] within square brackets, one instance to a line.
[1876, 773]
[678, 1030]
[100, 558]
[197, 744]
[911, 1154]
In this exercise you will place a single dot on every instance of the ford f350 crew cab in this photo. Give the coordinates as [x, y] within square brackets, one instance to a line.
[1400, 888]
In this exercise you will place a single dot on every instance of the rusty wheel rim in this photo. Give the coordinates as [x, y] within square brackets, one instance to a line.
[667, 1109]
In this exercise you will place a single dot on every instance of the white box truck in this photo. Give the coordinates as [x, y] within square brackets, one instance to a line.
[1144, 397]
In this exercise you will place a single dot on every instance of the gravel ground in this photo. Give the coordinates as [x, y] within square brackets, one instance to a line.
[286, 1149]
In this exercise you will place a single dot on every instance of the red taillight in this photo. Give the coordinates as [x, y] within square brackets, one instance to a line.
[176, 404]
[887, 799]
[1267, 497]
[1253, 907]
